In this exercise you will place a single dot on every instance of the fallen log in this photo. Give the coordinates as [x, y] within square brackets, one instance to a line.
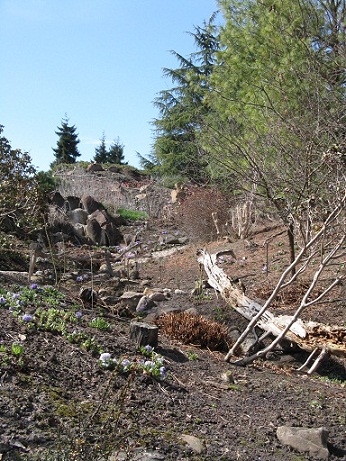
[309, 336]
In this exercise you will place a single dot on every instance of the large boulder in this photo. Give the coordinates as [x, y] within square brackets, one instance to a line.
[78, 216]
[72, 202]
[55, 198]
[112, 234]
[90, 204]
[93, 231]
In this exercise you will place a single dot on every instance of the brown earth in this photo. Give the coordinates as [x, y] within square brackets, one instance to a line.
[57, 403]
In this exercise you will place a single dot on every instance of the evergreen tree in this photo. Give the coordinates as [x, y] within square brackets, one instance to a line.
[116, 153]
[182, 108]
[66, 150]
[101, 153]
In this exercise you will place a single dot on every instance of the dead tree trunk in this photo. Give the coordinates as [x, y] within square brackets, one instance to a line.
[309, 336]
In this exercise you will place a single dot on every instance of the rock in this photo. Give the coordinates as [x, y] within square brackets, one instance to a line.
[88, 295]
[191, 310]
[72, 202]
[94, 167]
[249, 346]
[113, 235]
[196, 444]
[142, 304]
[177, 194]
[170, 239]
[313, 440]
[130, 298]
[80, 229]
[114, 169]
[109, 300]
[78, 216]
[101, 217]
[157, 297]
[94, 232]
[56, 199]
[90, 204]
[179, 292]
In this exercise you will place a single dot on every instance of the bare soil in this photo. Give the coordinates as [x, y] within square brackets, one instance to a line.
[57, 403]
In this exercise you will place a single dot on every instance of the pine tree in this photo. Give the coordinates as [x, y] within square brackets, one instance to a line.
[66, 150]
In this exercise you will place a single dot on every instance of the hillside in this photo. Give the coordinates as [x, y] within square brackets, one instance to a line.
[60, 402]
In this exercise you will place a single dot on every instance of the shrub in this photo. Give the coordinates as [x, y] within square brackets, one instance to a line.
[194, 214]
[21, 200]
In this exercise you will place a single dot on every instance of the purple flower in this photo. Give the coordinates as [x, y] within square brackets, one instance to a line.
[15, 295]
[105, 357]
[148, 348]
[79, 278]
[126, 364]
[78, 315]
[2, 300]
[27, 318]
[33, 286]
[162, 371]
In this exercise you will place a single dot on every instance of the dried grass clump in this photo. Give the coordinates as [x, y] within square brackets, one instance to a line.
[195, 329]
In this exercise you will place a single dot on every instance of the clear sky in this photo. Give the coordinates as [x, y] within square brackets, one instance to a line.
[98, 61]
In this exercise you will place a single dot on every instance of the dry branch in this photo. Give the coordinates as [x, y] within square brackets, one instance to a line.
[309, 336]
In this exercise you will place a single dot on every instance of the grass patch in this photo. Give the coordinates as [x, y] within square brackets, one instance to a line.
[132, 215]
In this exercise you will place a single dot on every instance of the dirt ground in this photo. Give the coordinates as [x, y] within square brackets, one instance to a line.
[58, 403]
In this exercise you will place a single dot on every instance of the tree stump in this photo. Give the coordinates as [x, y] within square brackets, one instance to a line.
[144, 334]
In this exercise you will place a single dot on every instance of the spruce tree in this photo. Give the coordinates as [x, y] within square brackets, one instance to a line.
[116, 153]
[101, 151]
[66, 150]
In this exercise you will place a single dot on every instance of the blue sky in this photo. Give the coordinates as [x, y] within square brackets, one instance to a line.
[98, 61]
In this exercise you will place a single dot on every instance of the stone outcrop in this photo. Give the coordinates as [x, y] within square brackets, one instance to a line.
[84, 220]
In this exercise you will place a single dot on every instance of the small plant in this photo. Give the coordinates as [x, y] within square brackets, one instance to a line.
[53, 320]
[12, 356]
[100, 324]
[90, 345]
[153, 367]
[192, 356]
[315, 405]
[17, 349]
